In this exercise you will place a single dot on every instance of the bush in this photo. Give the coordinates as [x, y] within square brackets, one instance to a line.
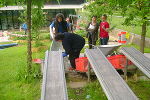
[81, 33]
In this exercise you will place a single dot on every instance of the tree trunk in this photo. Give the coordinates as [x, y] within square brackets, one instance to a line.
[142, 45]
[29, 52]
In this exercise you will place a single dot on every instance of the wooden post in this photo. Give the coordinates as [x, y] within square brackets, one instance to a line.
[125, 70]
[89, 72]
[135, 75]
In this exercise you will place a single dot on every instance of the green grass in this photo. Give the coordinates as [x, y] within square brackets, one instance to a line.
[141, 89]
[5, 43]
[12, 60]
[93, 90]
[146, 50]
[13, 77]
[118, 21]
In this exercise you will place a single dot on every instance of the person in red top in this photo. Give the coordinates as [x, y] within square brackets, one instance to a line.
[104, 28]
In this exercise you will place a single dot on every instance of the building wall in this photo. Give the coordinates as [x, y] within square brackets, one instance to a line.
[10, 19]
[66, 2]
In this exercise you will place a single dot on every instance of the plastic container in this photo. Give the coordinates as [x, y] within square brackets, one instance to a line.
[81, 64]
[38, 61]
[118, 61]
[119, 37]
[122, 37]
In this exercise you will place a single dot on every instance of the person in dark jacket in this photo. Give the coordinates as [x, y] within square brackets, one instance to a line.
[92, 30]
[59, 25]
[73, 44]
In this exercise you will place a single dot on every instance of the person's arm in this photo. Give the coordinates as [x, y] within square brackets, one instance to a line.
[87, 28]
[67, 46]
[51, 28]
[106, 27]
[96, 31]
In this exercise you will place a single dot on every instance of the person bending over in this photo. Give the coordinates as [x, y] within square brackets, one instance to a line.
[73, 44]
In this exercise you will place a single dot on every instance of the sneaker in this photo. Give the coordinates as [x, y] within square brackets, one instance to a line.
[70, 68]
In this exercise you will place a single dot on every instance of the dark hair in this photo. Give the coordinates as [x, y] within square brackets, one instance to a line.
[59, 36]
[59, 15]
[94, 16]
[104, 15]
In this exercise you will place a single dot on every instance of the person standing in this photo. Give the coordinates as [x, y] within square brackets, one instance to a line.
[24, 27]
[59, 25]
[69, 22]
[104, 29]
[92, 30]
[73, 44]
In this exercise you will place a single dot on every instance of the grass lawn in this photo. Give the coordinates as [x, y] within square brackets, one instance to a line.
[13, 84]
[117, 21]
[146, 50]
[12, 60]
[93, 91]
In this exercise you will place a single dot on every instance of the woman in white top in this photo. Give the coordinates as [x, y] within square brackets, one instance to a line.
[92, 30]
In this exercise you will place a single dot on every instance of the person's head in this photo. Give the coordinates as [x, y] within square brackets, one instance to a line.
[104, 17]
[59, 17]
[59, 37]
[94, 18]
[67, 19]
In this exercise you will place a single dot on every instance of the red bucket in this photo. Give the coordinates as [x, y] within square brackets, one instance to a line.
[118, 61]
[81, 64]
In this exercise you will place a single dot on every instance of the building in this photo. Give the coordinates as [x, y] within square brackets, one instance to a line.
[9, 16]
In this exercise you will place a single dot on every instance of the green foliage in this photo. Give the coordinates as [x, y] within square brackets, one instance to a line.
[134, 10]
[38, 20]
[19, 38]
[81, 33]
[99, 7]
[141, 89]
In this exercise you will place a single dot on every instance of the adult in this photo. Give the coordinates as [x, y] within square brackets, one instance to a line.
[59, 25]
[73, 44]
[92, 30]
[69, 22]
[104, 29]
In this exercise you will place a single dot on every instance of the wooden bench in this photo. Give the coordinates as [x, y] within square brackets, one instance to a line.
[112, 83]
[138, 58]
[54, 83]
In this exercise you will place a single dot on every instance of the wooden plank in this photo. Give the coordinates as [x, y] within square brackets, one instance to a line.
[138, 58]
[55, 83]
[112, 83]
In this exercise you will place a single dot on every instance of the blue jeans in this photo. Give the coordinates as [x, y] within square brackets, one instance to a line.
[104, 41]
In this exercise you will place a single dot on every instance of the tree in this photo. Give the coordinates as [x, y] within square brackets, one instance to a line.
[30, 4]
[138, 10]
[134, 10]
[29, 52]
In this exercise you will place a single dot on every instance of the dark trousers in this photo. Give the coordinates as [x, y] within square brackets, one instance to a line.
[104, 41]
[72, 58]
[91, 41]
